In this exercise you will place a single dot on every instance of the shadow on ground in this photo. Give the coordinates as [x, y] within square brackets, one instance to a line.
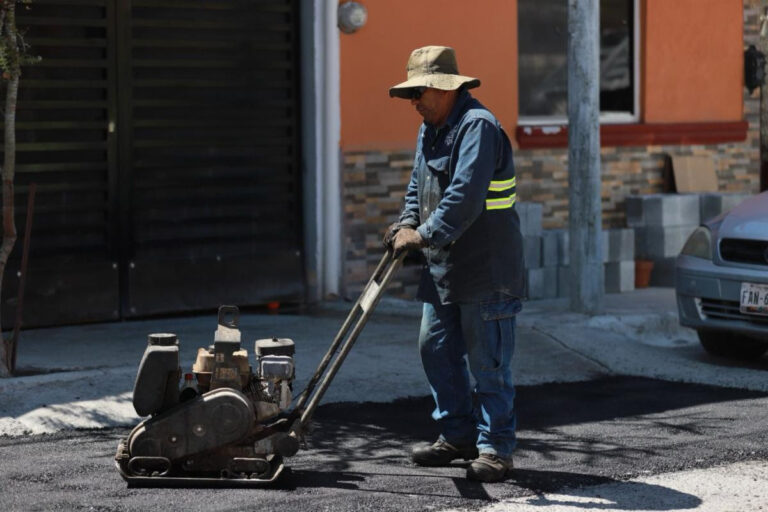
[558, 429]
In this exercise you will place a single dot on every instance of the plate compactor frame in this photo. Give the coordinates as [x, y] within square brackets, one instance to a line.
[230, 424]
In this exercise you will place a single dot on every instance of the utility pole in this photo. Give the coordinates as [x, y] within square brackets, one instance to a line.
[585, 211]
[763, 47]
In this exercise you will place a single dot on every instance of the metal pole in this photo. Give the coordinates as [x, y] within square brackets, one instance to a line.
[587, 279]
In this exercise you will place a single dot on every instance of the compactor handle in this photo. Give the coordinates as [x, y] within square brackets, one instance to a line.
[229, 316]
[358, 317]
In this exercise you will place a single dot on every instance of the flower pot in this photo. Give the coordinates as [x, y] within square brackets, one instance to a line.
[643, 269]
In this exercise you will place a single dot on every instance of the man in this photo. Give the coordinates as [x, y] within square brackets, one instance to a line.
[459, 210]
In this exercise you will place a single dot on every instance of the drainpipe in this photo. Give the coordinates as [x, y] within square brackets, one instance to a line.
[328, 218]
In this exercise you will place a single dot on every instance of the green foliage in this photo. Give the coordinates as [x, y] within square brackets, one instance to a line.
[14, 52]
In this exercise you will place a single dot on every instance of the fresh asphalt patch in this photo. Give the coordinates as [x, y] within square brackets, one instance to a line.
[570, 436]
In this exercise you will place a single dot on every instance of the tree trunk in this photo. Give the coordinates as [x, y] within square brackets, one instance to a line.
[8, 172]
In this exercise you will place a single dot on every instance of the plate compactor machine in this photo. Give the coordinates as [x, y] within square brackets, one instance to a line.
[230, 424]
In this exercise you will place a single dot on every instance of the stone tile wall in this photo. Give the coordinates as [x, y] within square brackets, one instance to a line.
[373, 185]
[543, 176]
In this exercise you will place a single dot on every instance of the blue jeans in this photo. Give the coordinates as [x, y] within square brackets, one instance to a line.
[484, 333]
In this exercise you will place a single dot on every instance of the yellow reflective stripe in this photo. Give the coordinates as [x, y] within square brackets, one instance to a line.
[500, 204]
[499, 186]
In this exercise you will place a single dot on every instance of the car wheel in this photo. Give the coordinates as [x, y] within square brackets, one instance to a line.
[733, 346]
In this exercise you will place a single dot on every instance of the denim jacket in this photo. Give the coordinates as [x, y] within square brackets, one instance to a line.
[461, 200]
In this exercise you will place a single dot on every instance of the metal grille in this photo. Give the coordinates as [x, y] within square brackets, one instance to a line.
[728, 310]
[163, 136]
[754, 252]
[64, 145]
[209, 91]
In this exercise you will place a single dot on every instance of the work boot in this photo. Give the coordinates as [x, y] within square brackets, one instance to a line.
[489, 468]
[441, 453]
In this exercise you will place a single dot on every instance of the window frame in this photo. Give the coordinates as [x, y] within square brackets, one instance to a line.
[608, 117]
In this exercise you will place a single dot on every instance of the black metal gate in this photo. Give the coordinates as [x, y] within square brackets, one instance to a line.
[164, 139]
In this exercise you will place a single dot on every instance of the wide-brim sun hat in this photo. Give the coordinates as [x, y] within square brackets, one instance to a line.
[435, 67]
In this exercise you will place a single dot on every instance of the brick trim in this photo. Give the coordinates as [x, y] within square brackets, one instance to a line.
[652, 134]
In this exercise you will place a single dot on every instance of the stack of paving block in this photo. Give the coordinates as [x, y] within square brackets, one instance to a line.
[659, 225]
[542, 281]
[662, 224]
[618, 260]
[547, 257]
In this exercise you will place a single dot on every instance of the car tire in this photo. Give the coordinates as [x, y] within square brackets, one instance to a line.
[732, 346]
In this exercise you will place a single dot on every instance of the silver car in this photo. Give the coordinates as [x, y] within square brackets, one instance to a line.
[721, 281]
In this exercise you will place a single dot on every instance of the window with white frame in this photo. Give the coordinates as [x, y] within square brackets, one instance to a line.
[543, 67]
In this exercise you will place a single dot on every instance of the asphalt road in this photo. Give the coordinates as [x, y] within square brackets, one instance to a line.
[570, 436]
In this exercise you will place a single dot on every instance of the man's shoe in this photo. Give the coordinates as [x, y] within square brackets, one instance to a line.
[441, 453]
[489, 468]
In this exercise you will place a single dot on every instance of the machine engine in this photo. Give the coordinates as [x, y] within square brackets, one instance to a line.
[228, 420]
[229, 425]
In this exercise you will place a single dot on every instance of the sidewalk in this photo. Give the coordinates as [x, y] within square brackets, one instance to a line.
[85, 373]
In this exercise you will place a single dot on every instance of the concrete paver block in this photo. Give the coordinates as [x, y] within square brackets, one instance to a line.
[535, 281]
[618, 245]
[659, 242]
[633, 206]
[532, 251]
[563, 247]
[550, 282]
[662, 210]
[619, 276]
[563, 281]
[713, 204]
[550, 256]
[530, 218]
[542, 283]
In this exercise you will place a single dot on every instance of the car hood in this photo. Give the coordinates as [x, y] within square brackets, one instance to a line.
[747, 220]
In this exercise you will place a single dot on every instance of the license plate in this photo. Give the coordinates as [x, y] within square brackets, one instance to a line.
[754, 299]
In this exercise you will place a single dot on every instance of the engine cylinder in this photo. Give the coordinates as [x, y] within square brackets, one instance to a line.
[274, 347]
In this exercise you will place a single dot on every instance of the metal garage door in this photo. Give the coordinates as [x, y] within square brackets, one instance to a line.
[164, 139]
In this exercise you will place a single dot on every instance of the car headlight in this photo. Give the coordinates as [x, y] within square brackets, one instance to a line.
[699, 244]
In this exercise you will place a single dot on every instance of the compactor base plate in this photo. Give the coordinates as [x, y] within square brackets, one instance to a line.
[187, 480]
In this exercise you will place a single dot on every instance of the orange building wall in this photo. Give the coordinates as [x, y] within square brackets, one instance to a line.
[484, 35]
[692, 61]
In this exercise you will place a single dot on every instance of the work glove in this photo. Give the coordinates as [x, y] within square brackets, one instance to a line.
[389, 236]
[407, 239]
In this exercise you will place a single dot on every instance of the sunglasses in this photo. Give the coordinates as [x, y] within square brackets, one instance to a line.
[416, 92]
